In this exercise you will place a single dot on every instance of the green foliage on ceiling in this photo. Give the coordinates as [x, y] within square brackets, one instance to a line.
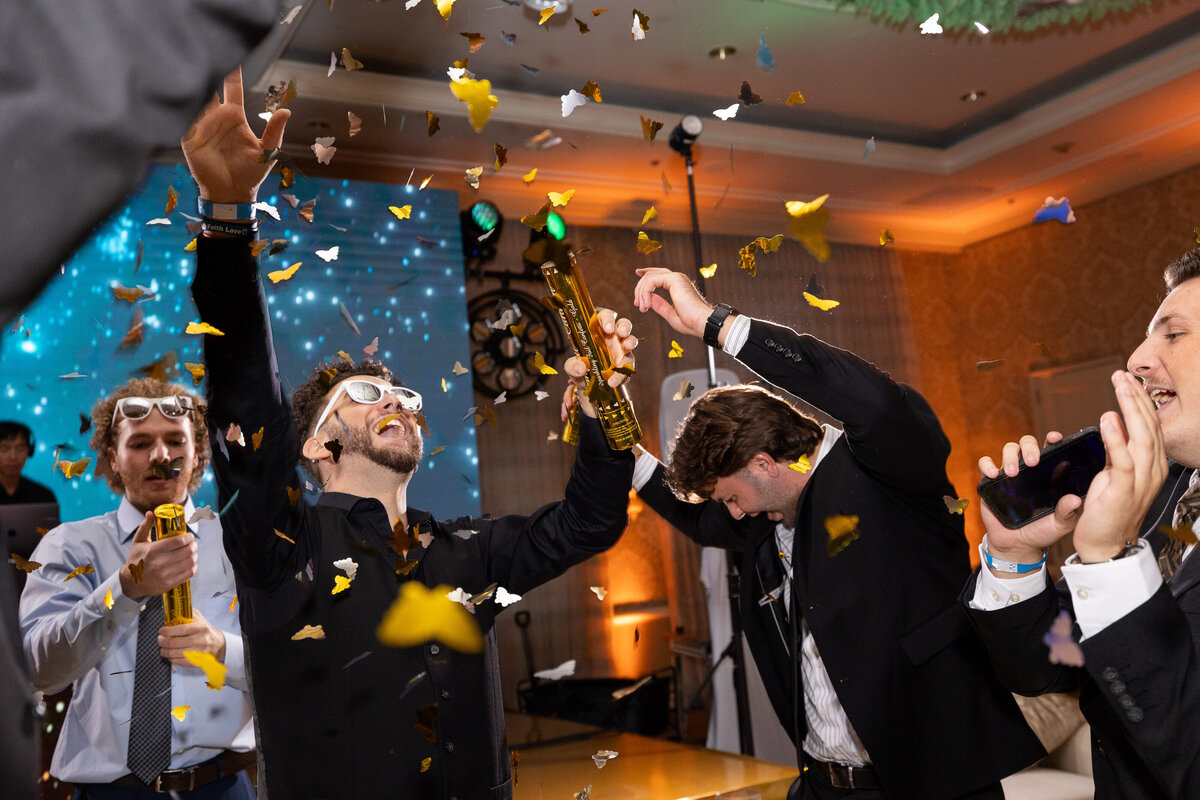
[998, 15]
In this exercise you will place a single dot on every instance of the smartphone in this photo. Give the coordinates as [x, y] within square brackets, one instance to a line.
[1066, 467]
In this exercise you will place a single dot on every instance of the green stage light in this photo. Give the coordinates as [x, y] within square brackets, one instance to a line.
[555, 226]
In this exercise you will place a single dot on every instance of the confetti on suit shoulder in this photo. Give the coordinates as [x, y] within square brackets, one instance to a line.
[280, 275]
[137, 570]
[73, 469]
[234, 435]
[650, 128]
[931, 26]
[257, 437]
[202, 513]
[955, 505]
[599, 591]
[747, 97]
[1183, 533]
[426, 763]
[329, 255]
[808, 225]
[563, 670]
[309, 632]
[1055, 208]
[676, 350]
[347, 565]
[817, 302]
[645, 244]
[728, 112]
[477, 94]
[539, 361]
[641, 25]
[108, 598]
[284, 536]
[795, 98]
[602, 757]
[323, 148]
[27, 566]
[197, 371]
[801, 465]
[179, 712]
[842, 530]
[1063, 647]
[885, 237]
[202, 327]
[560, 199]
[340, 584]
[685, 390]
[505, 598]
[86, 569]
[420, 614]
[214, 670]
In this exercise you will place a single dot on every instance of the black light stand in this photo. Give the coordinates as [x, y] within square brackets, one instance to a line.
[682, 138]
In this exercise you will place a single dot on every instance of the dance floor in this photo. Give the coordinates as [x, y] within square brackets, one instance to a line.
[554, 761]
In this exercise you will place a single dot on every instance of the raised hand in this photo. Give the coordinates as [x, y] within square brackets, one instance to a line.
[686, 311]
[223, 153]
[164, 564]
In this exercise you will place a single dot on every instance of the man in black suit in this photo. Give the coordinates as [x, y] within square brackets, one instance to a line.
[868, 659]
[1134, 602]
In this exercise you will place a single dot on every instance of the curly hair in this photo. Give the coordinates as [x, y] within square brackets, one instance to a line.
[104, 432]
[308, 400]
[1182, 269]
[723, 430]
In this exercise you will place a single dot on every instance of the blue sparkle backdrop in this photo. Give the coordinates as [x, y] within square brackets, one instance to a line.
[408, 292]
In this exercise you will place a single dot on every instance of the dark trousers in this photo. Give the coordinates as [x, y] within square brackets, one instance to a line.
[230, 787]
[818, 787]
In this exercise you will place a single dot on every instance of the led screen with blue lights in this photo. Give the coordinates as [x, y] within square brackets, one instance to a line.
[398, 279]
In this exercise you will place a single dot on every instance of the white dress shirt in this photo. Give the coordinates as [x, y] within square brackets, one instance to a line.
[72, 636]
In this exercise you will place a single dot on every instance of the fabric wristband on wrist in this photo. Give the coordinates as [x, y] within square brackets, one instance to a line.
[1001, 565]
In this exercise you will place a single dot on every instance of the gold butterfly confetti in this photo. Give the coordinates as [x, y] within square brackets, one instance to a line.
[645, 244]
[472, 177]
[501, 156]
[444, 389]
[350, 62]
[73, 469]
[802, 465]
[1196, 230]
[232, 603]
[709, 271]
[955, 505]
[477, 94]
[794, 98]
[885, 237]
[591, 90]
[529, 176]
[127, 293]
[280, 275]
[650, 128]
[474, 41]
[539, 361]
[214, 670]
[340, 583]
[108, 598]
[547, 13]
[283, 536]
[27, 566]
[202, 327]
[676, 350]
[179, 712]
[136, 570]
[824, 305]
[437, 450]
[257, 437]
[197, 371]
[560, 199]
[842, 530]
[75, 573]
[172, 200]
[309, 632]
[808, 225]
[401, 212]
[650, 214]
[685, 390]
[443, 7]
[191, 246]
[420, 614]
[1183, 533]
[425, 763]
[433, 122]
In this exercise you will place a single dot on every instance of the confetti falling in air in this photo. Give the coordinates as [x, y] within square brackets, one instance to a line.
[599, 591]
[602, 757]
[931, 26]
[501, 156]
[280, 275]
[284, 536]
[560, 199]
[650, 214]
[885, 237]
[328, 255]
[73, 469]
[955, 505]
[765, 59]
[747, 97]
[197, 371]
[202, 513]
[1183, 533]
[433, 122]
[708, 271]
[459, 369]
[309, 632]
[477, 94]
[817, 302]
[340, 584]
[808, 225]
[795, 98]
[646, 245]
[727, 113]
[983, 366]
[563, 670]
[420, 614]
[136, 570]
[1063, 647]
[685, 390]
[75, 573]
[1055, 208]
[676, 350]
[571, 101]
[528, 177]
[202, 327]
[323, 148]
[401, 212]
[472, 177]
[28, 566]
[801, 465]
[350, 62]
[505, 598]
[869, 149]
[474, 41]
[179, 712]
[539, 361]
[108, 598]
[650, 128]
[641, 25]
[746, 255]
[842, 530]
[214, 670]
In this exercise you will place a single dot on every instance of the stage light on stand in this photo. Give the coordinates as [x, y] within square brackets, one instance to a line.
[481, 227]
[685, 134]
[535, 255]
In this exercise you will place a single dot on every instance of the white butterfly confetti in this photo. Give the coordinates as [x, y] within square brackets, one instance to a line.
[202, 512]
[347, 565]
[505, 598]
[329, 255]
[571, 101]
[727, 113]
[931, 25]
[324, 149]
[563, 670]
[267, 209]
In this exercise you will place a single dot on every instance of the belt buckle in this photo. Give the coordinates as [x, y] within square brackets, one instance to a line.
[836, 773]
[191, 775]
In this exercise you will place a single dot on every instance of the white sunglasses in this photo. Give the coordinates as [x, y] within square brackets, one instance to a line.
[369, 393]
[173, 406]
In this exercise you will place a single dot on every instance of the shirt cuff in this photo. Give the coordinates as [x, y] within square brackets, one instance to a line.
[235, 661]
[643, 469]
[993, 594]
[1103, 593]
[736, 335]
[124, 611]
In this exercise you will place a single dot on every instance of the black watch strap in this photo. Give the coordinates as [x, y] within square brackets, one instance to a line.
[715, 320]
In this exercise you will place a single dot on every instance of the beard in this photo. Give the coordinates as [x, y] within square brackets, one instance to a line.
[402, 461]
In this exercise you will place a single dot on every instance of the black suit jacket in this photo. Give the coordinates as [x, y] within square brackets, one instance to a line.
[1140, 683]
[911, 675]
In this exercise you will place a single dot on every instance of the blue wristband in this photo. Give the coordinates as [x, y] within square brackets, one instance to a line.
[226, 212]
[1000, 565]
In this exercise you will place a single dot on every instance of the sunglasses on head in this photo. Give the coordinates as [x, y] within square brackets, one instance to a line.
[172, 406]
[369, 393]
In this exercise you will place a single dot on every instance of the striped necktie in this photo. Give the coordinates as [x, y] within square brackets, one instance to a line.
[150, 725]
[1186, 512]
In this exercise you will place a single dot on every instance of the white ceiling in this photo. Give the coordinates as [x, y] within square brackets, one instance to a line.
[1081, 111]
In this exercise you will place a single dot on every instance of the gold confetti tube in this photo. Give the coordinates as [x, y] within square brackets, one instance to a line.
[569, 297]
[177, 602]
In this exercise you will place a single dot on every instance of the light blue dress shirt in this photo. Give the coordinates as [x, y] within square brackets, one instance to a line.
[71, 636]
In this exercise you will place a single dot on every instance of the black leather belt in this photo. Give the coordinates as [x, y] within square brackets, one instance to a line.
[844, 776]
[185, 780]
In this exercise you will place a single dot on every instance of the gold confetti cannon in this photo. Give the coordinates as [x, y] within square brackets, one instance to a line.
[569, 297]
[177, 602]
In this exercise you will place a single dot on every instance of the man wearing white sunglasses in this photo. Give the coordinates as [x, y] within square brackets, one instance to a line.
[339, 714]
[92, 616]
